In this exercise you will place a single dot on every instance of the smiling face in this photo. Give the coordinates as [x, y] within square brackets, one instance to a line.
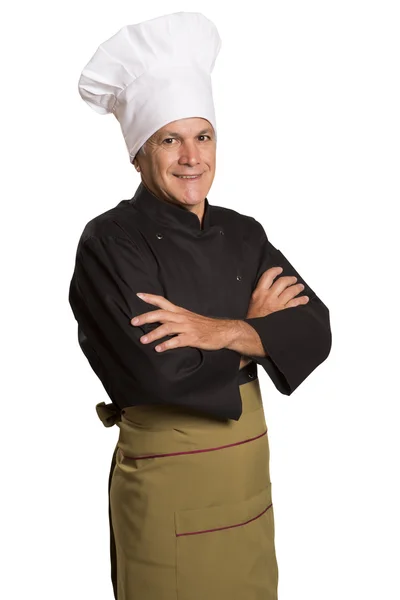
[182, 147]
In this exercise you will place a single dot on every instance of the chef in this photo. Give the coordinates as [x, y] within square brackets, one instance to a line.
[177, 303]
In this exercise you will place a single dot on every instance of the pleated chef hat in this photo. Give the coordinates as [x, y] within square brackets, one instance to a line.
[151, 73]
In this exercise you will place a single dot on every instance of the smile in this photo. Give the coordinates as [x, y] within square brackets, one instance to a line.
[189, 177]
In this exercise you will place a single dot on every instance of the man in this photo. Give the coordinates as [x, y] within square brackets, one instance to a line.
[178, 167]
[177, 301]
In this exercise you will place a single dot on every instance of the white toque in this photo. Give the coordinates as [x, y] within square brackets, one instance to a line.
[152, 73]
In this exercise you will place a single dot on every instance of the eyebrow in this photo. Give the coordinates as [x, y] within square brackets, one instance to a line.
[174, 133]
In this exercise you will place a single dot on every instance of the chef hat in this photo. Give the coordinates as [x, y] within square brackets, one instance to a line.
[151, 73]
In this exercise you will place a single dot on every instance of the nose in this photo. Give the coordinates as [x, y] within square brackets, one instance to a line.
[189, 154]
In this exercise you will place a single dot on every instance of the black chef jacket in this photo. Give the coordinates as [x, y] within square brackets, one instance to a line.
[150, 245]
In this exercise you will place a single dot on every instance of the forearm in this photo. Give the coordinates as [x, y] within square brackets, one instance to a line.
[244, 339]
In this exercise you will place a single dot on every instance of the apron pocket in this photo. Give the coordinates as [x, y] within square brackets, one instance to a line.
[227, 551]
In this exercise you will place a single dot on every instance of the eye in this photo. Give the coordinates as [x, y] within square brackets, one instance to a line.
[205, 136]
[168, 139]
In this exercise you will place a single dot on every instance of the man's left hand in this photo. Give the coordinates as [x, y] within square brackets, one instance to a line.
[197, 331]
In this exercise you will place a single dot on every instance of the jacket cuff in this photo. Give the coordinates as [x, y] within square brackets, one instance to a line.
[296, 341]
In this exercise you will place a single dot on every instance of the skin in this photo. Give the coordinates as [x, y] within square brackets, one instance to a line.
[192, 150]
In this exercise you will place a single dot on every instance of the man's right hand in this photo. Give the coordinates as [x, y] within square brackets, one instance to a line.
[269, 296]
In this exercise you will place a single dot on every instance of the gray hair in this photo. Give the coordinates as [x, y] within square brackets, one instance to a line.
[140, 152]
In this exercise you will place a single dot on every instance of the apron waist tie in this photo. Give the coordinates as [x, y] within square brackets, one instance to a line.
[110, 414]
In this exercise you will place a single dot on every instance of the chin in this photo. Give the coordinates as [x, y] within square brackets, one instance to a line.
[190, 192]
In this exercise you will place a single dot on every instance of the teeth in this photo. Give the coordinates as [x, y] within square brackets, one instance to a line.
[188, 176]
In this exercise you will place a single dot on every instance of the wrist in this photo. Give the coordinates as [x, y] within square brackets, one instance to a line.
[234, 332]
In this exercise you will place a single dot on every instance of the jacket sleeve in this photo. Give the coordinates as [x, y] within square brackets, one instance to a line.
[297, 339]
[109, 271]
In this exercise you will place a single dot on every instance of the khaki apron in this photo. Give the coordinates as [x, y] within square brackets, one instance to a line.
[190, 506]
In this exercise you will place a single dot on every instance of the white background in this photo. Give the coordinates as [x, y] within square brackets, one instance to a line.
[307, 103]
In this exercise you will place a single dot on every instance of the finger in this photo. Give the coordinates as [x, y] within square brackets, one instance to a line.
[175, 342]
[154, 316]
[282, 284]
[160, 332]
[158, 301]
[146, 317]
[297, 301]
[290, 292]
[268, 277]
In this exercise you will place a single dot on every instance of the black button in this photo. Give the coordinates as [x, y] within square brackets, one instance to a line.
[221, 232]
[159, 235]
[238, 277]
[251, 375]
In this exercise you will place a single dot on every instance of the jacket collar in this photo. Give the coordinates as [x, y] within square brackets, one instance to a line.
[168, 214]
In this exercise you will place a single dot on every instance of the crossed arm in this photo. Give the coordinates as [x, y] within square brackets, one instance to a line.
[288, 344]
[195, 330]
